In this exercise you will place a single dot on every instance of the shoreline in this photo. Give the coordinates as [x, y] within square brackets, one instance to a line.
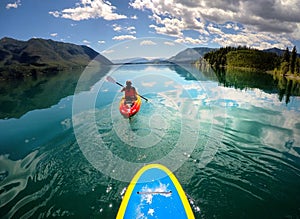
[288, 76]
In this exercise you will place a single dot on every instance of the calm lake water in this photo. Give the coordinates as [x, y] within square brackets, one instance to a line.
[231, 138]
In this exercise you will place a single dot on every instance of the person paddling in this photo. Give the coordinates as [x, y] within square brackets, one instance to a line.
[130, 93]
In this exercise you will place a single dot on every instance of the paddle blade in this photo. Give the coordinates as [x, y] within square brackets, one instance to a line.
[110, 79]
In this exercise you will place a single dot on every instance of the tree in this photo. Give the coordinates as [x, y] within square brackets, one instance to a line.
[284, 68]
[293, 60]
[286, 55]
[297, 69]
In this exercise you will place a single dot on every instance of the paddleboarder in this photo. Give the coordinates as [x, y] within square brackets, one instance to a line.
[130, 92]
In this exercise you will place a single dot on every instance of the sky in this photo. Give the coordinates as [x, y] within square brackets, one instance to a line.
[103, 24]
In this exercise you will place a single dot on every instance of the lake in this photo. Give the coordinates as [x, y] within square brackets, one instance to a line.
[231, 138]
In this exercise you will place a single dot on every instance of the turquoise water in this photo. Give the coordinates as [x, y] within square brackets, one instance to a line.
[232, 143]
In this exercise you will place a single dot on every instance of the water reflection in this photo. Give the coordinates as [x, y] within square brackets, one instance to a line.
[247, 146]
[243, 79]
[287, 88]
[192, 72]
[41, 91]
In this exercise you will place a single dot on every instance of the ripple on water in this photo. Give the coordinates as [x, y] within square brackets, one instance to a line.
[160, 132]
[247, 177]
[17, 174]
[53, 181]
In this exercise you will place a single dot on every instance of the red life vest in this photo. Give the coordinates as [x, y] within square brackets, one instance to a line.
[130, 93]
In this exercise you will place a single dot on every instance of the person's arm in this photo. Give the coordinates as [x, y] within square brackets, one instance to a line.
[123, 89]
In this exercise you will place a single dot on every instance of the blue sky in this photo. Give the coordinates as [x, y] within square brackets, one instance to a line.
[102, 24]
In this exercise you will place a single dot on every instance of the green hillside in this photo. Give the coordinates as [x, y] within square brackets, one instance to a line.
[243, 57]
[252, 59]
[22, 58]
[279, 61]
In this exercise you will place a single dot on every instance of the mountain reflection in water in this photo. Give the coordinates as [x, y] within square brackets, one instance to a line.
[245, 161]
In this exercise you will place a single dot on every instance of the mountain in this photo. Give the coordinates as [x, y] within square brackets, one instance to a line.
[277, 51]
[190, 54]
[24, 57]
[135, 60]
[140, 60]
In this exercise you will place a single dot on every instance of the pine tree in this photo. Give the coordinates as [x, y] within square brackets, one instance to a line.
[286, 55]
[297, 70]
[293, 60]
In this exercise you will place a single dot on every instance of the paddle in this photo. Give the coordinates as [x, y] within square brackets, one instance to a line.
[110, 79]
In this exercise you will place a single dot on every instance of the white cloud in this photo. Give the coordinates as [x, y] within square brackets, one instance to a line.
[169, 43]
[168, 26]
[171, 18]
[101, 41]
[124, 29]
[190, 40]
[275, 22]
[252, 39]
[117, 27]
[124, 37]
[131, 29]
[214, 30]
[296, 33]
[55, 13]
[86, 42]
[53, 34]
[108, 51]
[13, 5]
[232, 26]
[134, 17]
[89, 9]
[147, 43]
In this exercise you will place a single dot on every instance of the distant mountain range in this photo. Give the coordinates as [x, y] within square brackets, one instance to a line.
[275, 50]
[279, 52]
[190, 54]
[17, 56]
[187, 55]
[194, 54]
[131, 60]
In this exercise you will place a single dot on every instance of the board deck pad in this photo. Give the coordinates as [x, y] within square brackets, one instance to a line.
[154, 192]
